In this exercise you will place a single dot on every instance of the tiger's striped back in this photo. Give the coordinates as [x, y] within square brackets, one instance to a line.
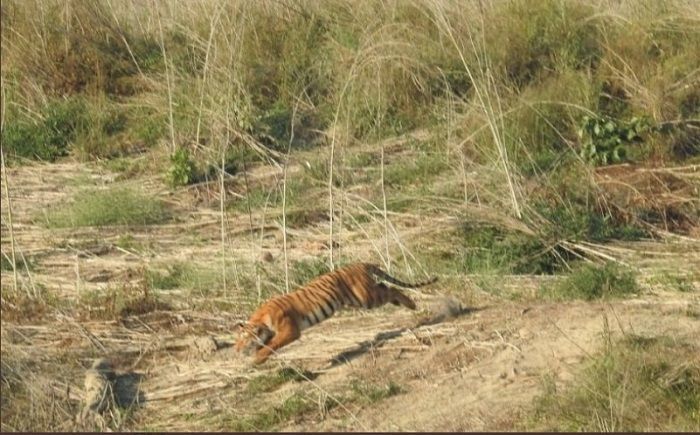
[354, 286]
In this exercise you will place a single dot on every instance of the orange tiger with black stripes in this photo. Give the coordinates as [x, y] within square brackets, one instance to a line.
[280, 320]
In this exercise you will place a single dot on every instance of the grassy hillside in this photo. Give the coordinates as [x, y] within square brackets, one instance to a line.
[481, 141]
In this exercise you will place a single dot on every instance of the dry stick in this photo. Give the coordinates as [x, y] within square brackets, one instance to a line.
[488, 111]
[387, 262]
[121, 34]
[330, 162]
[167, 80]
[7, 189]
[284, 199]
[222, 195]
[213, 24]
[9, 207]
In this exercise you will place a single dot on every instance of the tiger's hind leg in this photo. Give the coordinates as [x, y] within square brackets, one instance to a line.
[286, 333]
[395, 296]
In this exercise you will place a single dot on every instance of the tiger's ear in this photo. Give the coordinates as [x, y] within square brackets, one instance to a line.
[239, 326]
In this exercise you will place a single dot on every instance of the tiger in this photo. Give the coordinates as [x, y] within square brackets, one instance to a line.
[280, 320]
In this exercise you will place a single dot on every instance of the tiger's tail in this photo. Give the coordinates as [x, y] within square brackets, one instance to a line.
[376, 271]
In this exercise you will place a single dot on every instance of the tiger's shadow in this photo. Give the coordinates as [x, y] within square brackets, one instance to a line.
[381, 338]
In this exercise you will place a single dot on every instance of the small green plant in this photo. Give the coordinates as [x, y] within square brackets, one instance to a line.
[592, 281]
[605, 139]
[114, 206]
[182, 169]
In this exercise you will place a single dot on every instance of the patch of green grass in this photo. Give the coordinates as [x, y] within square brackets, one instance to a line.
[127, 167]
[268, 419]
[551, 35]
[678, 282]
[491, 248]
[6, 263]
[303, 271]
[590, 281]
[113, 206]
[203, 282]
[270, 382]
[415, 171]
[185, 275]
[579, 221]
[636, 384]
[368, 393]
[128, 242]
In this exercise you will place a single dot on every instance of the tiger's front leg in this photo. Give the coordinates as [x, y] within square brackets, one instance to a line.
[286, 334]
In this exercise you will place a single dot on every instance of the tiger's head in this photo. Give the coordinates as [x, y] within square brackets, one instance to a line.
[252, 337]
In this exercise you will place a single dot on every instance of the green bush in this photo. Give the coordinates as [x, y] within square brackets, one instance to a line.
[606, 140]
[182, 169]
[46, 139]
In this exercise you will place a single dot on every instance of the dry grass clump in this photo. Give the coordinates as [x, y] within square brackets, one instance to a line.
[635, 384]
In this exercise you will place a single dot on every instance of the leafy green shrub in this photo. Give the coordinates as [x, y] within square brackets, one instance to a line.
[605, 139]
[591, 282]
[115, 206]
[47, 139]
[182, 169]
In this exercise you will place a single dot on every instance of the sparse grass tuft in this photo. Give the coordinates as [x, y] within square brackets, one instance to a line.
[591, 282]
[268, 419]
[23, 306]
[121, 300]
[270, 382]
[114, 206]
[636, 384]
[368, 393]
